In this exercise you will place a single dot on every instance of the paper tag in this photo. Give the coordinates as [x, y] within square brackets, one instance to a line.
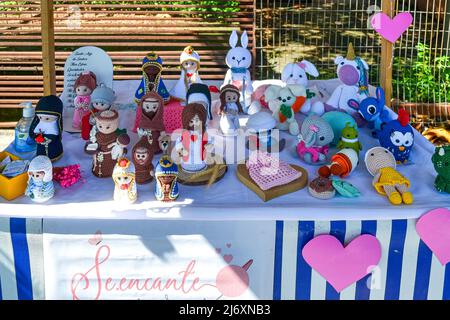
[15, 168]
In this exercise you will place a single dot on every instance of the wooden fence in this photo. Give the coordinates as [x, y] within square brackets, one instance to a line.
[127, 30]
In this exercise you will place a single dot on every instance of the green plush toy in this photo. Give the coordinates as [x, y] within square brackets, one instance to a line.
[441, 161]
[349, 138]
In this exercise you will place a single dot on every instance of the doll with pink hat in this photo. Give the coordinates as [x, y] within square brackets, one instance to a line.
[84, 85]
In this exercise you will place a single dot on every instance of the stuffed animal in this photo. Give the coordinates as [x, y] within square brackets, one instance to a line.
[349, 139]
[285, 102]
[152, 66]
[296, 73]
[352, 72]
[372, 110]
[338, 121]
[190, 63]
[387, 181]
[441, 161]
[47, 127]
[313, 140]
[398, 137]
[239, 59]
[40, 186]
[164, 143]
[84, 86]
[124, 176]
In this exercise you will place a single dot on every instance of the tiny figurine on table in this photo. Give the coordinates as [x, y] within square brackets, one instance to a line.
[296, 73]
[152, 66]
[269, 177]
[441, 162]
[194, 148]
[349, 138]
[239, 60]
[102, 98]
[124, 176]
[342, 164]
[398, 137]
[40, 186]
[164, 142]
[313, 140]
[190, 64]
[84, 86]
[166, 175]
[110, 146]
[142, 159]
[387, 181]
[373, 110]
[321, 188]
[150, 118]
[263, 135]
[285, 102]
[199, 93]
[338, 121]
[352, 71]
[230, 108]
[47, 127]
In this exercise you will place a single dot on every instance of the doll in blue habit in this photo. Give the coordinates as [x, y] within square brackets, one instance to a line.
[152, 66]
[47, 126]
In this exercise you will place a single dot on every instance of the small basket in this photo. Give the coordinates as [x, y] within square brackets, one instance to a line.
[11, 188]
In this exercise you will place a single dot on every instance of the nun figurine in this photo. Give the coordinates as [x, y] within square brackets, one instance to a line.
[124, 176]
[199, 93]
[40, 180]
[166, 175]
[46, 127]
[190, 63]
[152, 66]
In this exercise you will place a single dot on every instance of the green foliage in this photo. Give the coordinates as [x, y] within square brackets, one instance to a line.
[426, 79]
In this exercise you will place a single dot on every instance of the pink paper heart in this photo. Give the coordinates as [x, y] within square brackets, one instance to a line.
[228, 258]
[96, 238]
[433, 228]
[391, 29]
[342, 266]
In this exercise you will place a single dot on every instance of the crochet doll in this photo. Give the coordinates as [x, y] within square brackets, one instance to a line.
[124, 176]
[84, 85]
[199, 93]
[229, 110]
[111, 144]
[102, 98]
[142, 159]
[193, 142]
[40, 180]
[387, 181]
[314, 138]
[349, 138]
[47, 127]
[441, 161]
[152, 66]
[190, 63]
[150, 118]
[166, 175]
[398, 137]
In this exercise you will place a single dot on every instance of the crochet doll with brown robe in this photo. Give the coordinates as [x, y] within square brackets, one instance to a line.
[110, 146]
[151, 118]
[142, 159]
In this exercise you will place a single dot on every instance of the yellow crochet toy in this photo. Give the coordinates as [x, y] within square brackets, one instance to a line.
[387, 181]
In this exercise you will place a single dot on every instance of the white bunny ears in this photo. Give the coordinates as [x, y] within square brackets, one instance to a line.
[234, 39]
[309, 68]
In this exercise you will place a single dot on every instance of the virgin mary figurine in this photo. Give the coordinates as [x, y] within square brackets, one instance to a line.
[152, 66]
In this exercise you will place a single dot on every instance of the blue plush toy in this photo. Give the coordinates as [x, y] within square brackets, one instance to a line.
[398, 136]
[372, 110]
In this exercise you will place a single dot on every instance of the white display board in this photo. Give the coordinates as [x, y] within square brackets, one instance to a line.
[87, 58]
[101, 259]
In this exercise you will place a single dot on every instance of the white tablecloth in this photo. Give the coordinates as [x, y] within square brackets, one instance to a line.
[229, 199]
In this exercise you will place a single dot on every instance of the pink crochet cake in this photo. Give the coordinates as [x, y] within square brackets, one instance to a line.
[172, 116]
[268, 171]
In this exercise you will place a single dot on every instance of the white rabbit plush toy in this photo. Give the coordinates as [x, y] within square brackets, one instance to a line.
[239, 59]
[284, 102]
[295, 73]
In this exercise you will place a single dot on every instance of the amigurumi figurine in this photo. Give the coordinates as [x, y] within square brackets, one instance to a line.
[387, 181]
[441, 161]
[349, 138]
[314, 138]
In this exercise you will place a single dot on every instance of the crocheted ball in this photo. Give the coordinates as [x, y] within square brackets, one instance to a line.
[172, 116]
